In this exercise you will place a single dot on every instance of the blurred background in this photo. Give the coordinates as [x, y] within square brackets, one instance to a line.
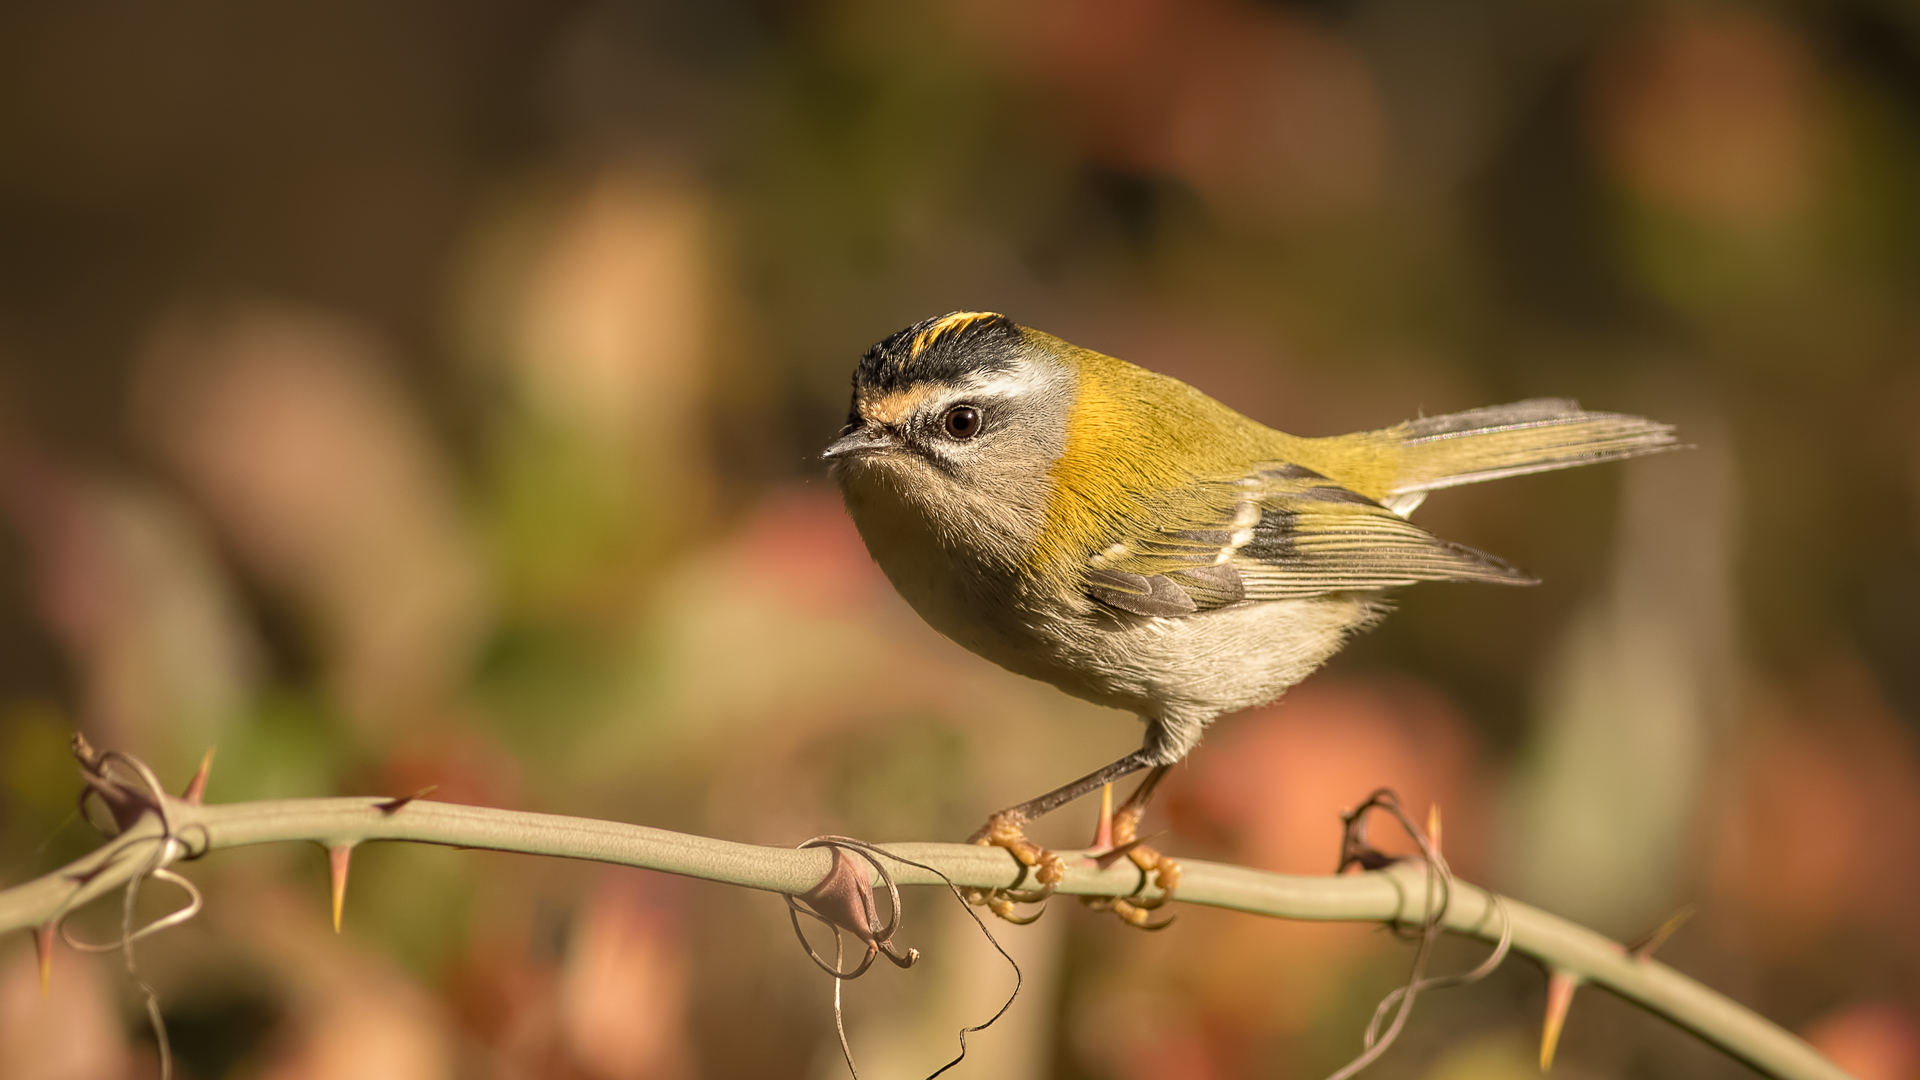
[396, 394]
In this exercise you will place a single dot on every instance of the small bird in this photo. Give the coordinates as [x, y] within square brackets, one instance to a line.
[1119, 534]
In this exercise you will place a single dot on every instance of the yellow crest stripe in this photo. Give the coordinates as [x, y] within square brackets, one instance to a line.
[957, 321]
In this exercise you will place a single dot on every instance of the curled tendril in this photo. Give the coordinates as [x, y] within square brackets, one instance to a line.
[127, 801]
[1356, 851]
[882, 941]
[165, 922]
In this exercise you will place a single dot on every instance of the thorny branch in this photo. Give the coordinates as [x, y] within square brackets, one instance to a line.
[156, 830]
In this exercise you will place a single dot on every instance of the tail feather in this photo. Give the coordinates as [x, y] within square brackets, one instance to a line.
[1512, 440]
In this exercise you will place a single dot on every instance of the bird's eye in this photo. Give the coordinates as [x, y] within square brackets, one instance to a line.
[963, 422]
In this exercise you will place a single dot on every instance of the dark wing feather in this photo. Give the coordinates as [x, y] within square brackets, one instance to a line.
[1282, 532]
[1142, 595]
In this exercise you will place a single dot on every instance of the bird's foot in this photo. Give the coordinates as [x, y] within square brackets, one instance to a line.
[1117, 837]
[1007, 829]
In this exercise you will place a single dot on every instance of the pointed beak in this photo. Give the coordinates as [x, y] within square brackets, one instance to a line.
[859, 442]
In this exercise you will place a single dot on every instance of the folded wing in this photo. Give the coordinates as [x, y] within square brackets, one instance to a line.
[1282, 532]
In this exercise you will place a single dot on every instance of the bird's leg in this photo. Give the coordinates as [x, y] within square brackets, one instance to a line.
[1122, 832]
[1007, 829]
[1126, 827]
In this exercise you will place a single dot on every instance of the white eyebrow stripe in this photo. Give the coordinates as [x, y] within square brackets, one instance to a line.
[1005, 383]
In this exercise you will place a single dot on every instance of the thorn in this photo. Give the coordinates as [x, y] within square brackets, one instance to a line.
[1643, 949]
[1560, 987]
[196, 792]
[1113, 855]
[43, 948]
[393, 806]
[1103, 834]
[1433, 826]
[338, 858]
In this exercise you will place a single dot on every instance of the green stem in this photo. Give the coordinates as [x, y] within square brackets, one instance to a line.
[1393, 895]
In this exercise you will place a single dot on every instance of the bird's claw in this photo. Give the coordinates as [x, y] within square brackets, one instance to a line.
[1134, 911]
[1047, 869]
[1028, 896]
[1001, 903]
[1157, 870]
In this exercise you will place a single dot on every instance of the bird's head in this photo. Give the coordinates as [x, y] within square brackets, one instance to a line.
[959, 418]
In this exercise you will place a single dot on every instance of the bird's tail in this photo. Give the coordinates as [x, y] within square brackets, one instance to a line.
[1512, 440]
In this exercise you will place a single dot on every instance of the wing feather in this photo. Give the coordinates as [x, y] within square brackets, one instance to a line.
[1281, 532]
